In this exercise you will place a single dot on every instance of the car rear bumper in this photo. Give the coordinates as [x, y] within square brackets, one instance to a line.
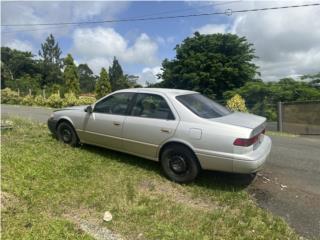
[256, 159]
[237, 163]
[52, 125]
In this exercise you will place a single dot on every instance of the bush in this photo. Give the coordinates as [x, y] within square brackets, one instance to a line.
[55, 101]
[28, 100]
[9, 96]
[69, 99]
[40, 101]
[85, 100]
[237, 104]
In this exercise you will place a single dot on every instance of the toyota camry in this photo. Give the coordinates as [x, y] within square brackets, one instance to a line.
[183, 130]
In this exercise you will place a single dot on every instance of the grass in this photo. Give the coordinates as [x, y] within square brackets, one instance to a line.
[281, 134]
[46, 184]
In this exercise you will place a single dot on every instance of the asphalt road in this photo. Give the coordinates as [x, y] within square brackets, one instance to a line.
[289, 185]
[38, 114]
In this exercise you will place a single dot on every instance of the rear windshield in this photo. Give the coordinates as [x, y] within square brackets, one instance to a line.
[202, 106]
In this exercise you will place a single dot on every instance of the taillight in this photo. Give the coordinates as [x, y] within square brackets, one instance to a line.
[246, 142]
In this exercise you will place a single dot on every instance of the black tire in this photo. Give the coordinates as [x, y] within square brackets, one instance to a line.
[67, 135]
[179, 163]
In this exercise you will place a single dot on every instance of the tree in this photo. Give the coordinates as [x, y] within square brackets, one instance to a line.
[5, 75]
[50, 51]
[313, 79]
[103, 86]
[210, 64]
[117, 79]
[261, 98]
[27, 82]
[51, 63]
[15, 64]
[70, 76]
[133, 81]
[87, 78]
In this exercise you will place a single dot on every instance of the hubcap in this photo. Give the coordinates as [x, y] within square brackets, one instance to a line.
[178, 164]
[66, 135]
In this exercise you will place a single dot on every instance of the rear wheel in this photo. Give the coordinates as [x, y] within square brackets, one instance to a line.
[67, 134]
[179, 163]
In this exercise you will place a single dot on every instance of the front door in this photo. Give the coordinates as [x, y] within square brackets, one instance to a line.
[103, 127]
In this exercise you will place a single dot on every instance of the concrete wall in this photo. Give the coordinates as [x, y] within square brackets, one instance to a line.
[301, 117]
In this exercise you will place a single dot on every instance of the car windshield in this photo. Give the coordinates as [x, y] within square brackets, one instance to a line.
[202, 106]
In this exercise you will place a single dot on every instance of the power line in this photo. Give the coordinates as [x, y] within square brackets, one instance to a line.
[151, 14]
[35, 29]
[189, 9]
[227, 12]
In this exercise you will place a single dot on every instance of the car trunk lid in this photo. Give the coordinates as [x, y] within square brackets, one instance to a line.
[246, 120]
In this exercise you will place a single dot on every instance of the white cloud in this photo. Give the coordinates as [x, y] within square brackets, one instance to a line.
[143, 51]
[50, 12]
[165, 40]
[97, 63]
[287, 41]
[99, 45]
[212, 28]
[20, 45]
[149, 75]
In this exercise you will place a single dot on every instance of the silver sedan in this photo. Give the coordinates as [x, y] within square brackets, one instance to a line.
[182, 129]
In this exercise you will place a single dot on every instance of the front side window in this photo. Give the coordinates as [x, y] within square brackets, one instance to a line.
[151, 106]
[202, 106]
[114, 104]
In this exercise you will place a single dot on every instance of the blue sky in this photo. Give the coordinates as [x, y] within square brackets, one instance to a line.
[284, 47]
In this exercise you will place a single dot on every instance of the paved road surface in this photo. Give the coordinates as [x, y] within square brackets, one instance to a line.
[39, 114]
[289, 186]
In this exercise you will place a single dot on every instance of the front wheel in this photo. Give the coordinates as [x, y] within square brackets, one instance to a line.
[179, 164]
[66, 134]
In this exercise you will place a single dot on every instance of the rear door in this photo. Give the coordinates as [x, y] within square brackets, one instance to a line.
[104, 125]
[150, 123]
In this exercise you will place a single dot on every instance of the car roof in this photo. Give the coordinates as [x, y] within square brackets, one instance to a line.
[167, 91]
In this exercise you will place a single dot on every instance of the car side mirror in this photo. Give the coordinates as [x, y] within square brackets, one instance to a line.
[88, 109]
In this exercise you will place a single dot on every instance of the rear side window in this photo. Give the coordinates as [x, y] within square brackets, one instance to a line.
[151, 106]
[115, 104]
[202, 106]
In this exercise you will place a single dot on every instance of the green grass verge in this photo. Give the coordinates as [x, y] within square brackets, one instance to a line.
[45, 181]
[281, 134]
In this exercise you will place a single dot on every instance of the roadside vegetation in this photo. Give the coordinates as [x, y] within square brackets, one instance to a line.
[9, 96]
[219, 66]
[48, 188]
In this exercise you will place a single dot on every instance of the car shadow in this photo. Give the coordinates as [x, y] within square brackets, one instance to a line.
[207, 179]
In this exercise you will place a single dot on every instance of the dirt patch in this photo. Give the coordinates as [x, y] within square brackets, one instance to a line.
[90, 223]
[7, 201]
[175, 193]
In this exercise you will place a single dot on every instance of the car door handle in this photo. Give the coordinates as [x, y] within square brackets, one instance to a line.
[165, 130]
[116, 124]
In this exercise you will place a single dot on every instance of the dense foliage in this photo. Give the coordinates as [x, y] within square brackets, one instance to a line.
[15, 65]
[261, 98]
[210, 64]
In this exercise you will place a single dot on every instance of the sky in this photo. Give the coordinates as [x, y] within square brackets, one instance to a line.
[287, 42]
